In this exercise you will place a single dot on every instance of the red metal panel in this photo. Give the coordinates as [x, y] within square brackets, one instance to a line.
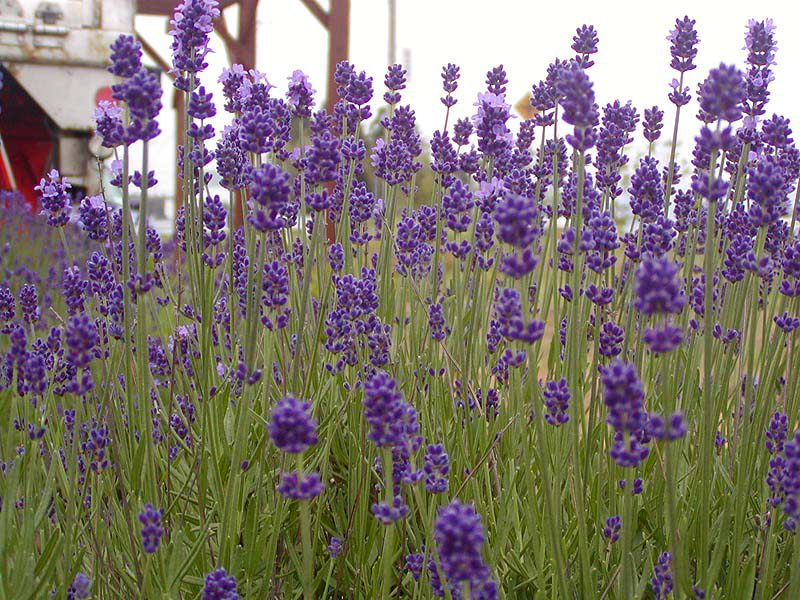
[29, 137]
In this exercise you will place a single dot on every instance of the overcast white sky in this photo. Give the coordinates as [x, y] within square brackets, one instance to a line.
[525, 36]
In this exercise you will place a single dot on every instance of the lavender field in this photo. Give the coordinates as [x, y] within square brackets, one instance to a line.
[561, 370]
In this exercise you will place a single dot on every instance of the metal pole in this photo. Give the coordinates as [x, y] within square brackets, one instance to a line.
[392, 32]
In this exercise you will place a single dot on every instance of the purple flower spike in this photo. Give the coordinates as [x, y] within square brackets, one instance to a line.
[662, 577]
[191, 30]
[652, 123]
[395, 81]
[556, 399]
[673, 429]
[584, 42]
[386, 515]
[721, 94]
[93, 218]
[269, 189]
[29, 304]
[766, 183]
[459, 541]
[415, 563]
[760, 43]
[450, 75]
[79, 588]
[437, 467]
[624, 398]
[776, 433]
[577, 102]
[611, 530]
[300, 95]
[496, 81]
[383, 410]
[81, 337]
[126, 56]
[647, 193]
[657, 290]
[55, 198]
[292, 429]
[334, 547]
[219, 586]
[439, 328]
[683, 39]
[611, 337]
[151, 528]
[300, 487]
[664, 339]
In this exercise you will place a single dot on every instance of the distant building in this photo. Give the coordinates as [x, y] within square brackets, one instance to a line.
[54, 56]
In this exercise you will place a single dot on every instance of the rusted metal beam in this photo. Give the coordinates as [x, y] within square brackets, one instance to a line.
[317, 11]
[338, 44]
[166, 8]
[153, 54]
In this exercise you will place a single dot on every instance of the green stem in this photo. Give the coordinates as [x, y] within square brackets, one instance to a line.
[387, 557]
[308, 549]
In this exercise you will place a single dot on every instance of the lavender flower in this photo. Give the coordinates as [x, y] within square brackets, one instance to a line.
[219, 586]
[415, 562]
[663, 339]
[394, 81]
[662, 576]
[141, 93]
[556, 399]
[191, 25]
[580, 109]
[55, 198]
[291, 428]
[334, 547]
[721, 94]
[390, 419]
[760, 45]
[657, 290]
[611, 337]
[450, 75]
[79, 588]
[652, 123]
[584, 42]
[151, 528]
[29, 304]
[494, 136]
[436, 467]
[439, 328]
[269, 189]
[624, 398]
[300, 487]
[459, 542]
[300, 95]
[647, 193]
[81, 337]
[517, 221]
[683, 39]
[790, 482]
[126, 56]
[766, 189]
[8, 309]
[673, 429]
[108, 124]
[611, 529]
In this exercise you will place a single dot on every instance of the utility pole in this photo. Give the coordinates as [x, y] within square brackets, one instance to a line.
[392, 32]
